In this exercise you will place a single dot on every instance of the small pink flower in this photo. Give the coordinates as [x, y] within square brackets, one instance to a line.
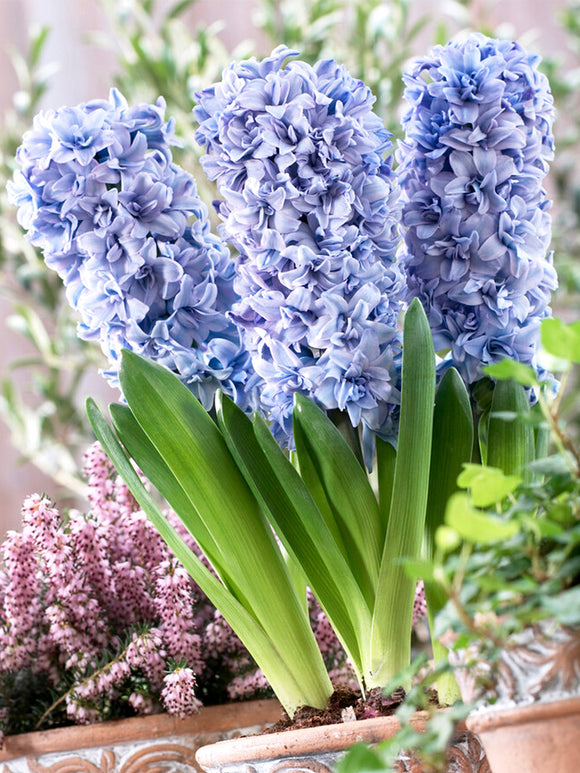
[142, 704]
[178, 694]
[420, 605]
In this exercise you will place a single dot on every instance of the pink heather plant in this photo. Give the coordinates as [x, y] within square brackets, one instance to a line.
[98, 620]
[95, 613]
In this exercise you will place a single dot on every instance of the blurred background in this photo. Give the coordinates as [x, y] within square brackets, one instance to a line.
[56, 52]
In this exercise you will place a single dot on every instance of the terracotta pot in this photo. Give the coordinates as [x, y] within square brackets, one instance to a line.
[318, 749]
[538, 738]
[141, 745]
[534, 724]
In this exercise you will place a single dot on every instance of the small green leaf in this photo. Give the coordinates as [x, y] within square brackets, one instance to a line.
[38, 42]
[529, 418]
[541, 527]
[511, 369]
[179, 8]
[475, 526]
[487, 485]
[29, 323]
[447, 539]
[513, 587]
[360, 757]
[561, 340]
[550, 465]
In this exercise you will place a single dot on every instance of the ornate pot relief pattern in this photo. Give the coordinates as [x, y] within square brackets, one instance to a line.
[539, 664]
[543, 666]
[157, 744]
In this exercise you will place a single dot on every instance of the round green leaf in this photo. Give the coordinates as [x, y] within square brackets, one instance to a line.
[447, 539]
[487, 485]
[475, 526]
[511, 369]
[561, 340]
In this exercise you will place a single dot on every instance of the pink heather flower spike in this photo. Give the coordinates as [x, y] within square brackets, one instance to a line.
[178, 695]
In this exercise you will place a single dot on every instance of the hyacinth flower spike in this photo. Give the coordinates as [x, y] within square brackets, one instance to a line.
[98, 192]
[478, 139]
[310, 201]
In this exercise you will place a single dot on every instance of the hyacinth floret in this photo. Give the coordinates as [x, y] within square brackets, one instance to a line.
[478, 139]
[310, 201]
[123, 226]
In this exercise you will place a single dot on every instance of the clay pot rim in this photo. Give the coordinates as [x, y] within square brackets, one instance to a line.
[290, 743]
[210, 719]
[519, 715]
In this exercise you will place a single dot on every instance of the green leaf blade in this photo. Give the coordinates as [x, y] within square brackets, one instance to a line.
[329, 462]
[386, 460]
[299, 524]
[510, 444]
[155, 470]
[392, 616]
[452, 446]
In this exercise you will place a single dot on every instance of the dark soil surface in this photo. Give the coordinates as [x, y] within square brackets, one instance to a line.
[344, 706]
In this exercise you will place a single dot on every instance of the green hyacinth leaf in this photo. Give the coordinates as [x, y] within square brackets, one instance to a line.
[299, 524]
[385, 462]
[155, 470]
[393, 612]
[452, 446]
[195, 451]
[337, 478]
[510, 444]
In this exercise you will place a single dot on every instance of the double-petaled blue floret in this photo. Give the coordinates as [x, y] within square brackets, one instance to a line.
[124, 227]
[478, 138]
[310, 201]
